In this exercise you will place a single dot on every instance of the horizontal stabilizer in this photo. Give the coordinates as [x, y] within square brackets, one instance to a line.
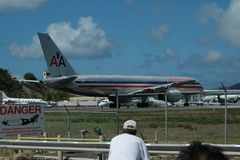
[66, 80]
[30, 81]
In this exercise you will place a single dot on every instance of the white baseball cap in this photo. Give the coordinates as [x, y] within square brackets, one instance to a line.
[130, 124]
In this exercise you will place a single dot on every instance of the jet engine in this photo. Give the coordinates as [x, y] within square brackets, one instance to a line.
[173, 95]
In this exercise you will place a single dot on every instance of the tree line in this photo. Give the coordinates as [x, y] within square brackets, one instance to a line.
[19, 89]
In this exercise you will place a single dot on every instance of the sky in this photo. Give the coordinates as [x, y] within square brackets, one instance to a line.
[199, 39]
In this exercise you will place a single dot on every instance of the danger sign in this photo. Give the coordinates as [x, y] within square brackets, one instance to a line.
[27, 120]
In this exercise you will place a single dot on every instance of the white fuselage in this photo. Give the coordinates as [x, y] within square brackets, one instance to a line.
[105, 85]
[23, 101]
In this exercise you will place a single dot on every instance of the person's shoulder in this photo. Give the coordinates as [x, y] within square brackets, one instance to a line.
[136, 138]
[139, 139]
[127, 136]
[117, 137]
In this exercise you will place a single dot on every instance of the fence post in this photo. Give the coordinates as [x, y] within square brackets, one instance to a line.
[45, 135]
[19, 138]
[60, 156]
[101, 138]
[156, 137]
[102, 155]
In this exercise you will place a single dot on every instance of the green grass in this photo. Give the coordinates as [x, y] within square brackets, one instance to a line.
[183, 125]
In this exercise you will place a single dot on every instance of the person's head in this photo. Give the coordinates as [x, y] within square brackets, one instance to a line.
[130, 127]
[199, 151]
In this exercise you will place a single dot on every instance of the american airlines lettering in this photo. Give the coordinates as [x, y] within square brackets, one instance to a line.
[19, 109]
[57, 60]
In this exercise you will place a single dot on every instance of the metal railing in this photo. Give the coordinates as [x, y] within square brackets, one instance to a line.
[102, 147]
[60, 138]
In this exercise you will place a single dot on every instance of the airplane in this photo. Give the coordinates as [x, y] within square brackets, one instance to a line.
[21, 121]
[230, 99]
[61, 75]
[220, 99]
[7, 100]
[104, 103]
[32, 120]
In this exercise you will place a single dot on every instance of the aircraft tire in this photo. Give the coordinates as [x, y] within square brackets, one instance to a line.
[113, 105]
[142, 105]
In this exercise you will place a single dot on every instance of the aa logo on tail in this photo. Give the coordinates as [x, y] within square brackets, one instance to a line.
[57, 60]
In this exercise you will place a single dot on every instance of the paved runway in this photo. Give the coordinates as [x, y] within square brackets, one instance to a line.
[134, 109]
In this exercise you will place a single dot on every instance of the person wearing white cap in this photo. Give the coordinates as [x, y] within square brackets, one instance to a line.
[127, 146]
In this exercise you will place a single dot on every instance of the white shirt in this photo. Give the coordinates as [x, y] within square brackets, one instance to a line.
[127, 147]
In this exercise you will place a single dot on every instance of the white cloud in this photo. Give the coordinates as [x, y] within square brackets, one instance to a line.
[209, 11]
[170, 53]
[227, 21]
[166, 56]
[212, 56]
[158, 33]
[211, 59]
[10, 5]
[87, 40]
[229, 24]
[28, 51]
[211, 65]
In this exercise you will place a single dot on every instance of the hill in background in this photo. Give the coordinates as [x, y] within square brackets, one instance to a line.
[13, 88]
[235, 86]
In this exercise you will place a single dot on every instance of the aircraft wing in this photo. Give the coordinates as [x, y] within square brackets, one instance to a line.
[160, 88]
[66, 80]
[155, 89]
[60, 81]
[30, 81]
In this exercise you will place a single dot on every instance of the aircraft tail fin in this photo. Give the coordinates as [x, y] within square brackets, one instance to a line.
[2, 96]
[56, 62]
[220, 100]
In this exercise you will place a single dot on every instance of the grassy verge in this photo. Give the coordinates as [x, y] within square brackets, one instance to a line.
[183, 125]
